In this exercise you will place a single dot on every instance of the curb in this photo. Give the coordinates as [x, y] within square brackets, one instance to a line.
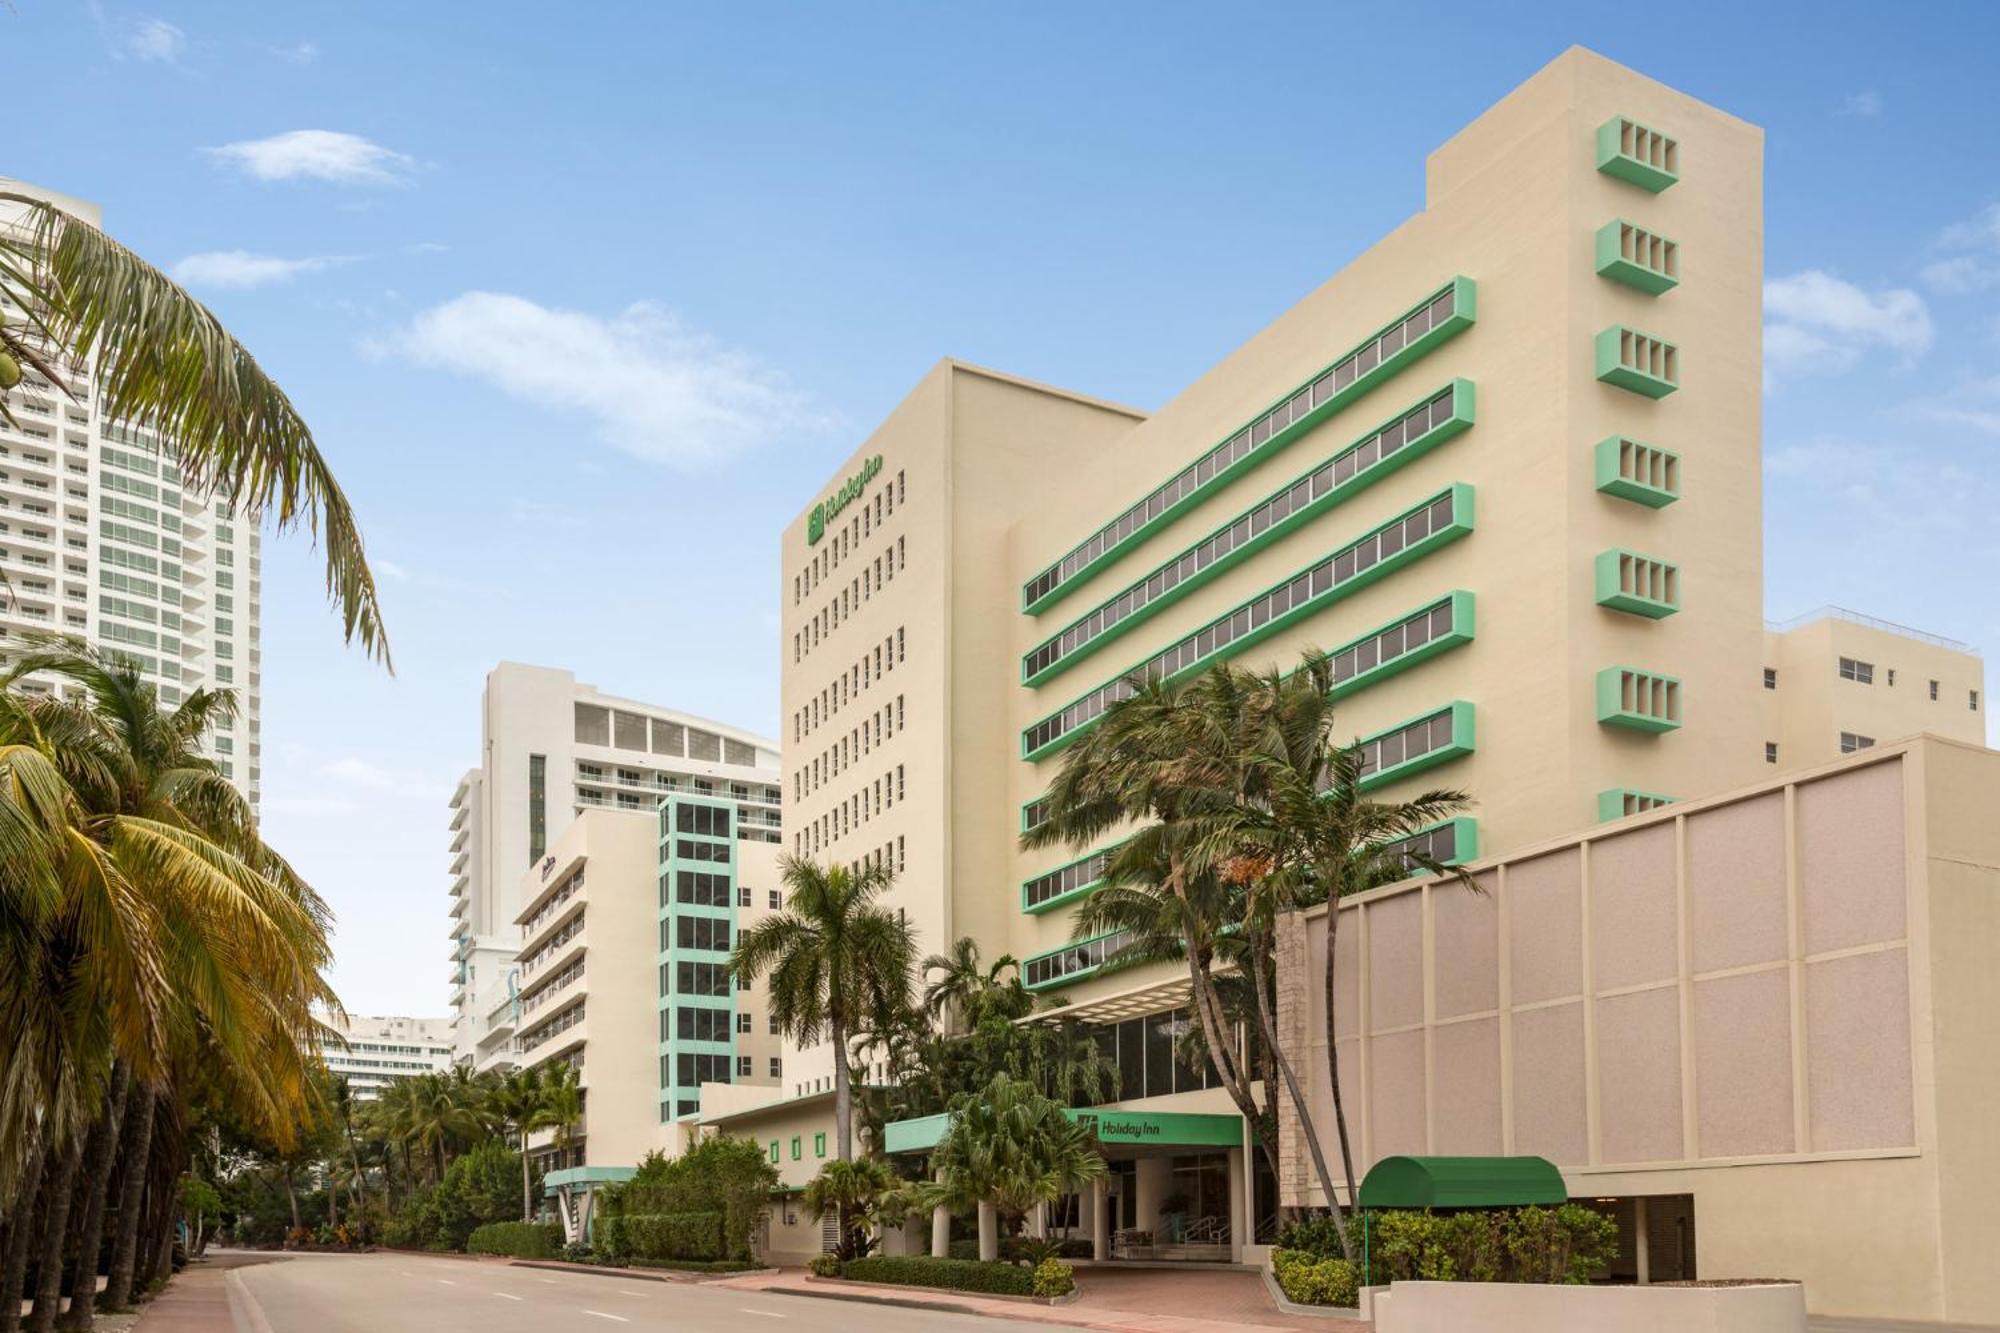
[1039, 1302]
[667, 1275]
[1289, 1306]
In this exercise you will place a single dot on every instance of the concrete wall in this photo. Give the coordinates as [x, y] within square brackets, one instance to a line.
[1813, 704]
[1747, 998]
[1449, 1307]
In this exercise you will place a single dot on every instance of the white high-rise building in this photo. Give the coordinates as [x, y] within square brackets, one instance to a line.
[552, 747]
[382, 1049]
[99, 540]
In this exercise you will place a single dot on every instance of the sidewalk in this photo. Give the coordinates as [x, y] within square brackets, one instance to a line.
[1084, 1313]
[197, 1300]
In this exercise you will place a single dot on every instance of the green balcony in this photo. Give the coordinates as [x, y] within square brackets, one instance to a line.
[1637, 584]
[1639, 362]
[1623, 802]
[1638, 258]
[1645, 474]
[1638, 155]
[1638, 700]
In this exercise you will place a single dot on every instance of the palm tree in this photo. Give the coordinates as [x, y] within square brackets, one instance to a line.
[163, 362]
[559, 1107]
[853, 1190]
[1013, 1148]
[515, 1101]
[962, 990]
[433, 1113]
[838, 962]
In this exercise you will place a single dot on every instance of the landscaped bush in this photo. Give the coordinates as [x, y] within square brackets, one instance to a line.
[697, 1265]
[1053, 1278]
[958, 1274]
[824, 1265]
[656, 1236]
[1566, 1244]
[519, 1240]
[727, 1177]
[481, 1186]
[1310, 1280]
[1075, 1248]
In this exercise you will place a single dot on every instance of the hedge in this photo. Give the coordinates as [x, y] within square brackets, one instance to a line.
[1566, 1244]
[1310, 1280]
[671, 1235]
[519, 1240]
[958, 1274]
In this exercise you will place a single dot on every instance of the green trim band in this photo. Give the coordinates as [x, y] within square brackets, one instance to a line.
[1410, 434]
[1408, 537]
[1638, 155]
[1444, 313]
[1457, 837]
[1084, 958]
[1638, 258]
[1642, 473]
[1640, 700]
[1404, 642]
[1408, 748]
[1637, 584]
[1638, 362]
[1031, 815]
[1085, 874]
[1621, 802]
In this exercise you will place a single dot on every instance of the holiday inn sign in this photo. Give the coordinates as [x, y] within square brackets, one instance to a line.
[849, 491]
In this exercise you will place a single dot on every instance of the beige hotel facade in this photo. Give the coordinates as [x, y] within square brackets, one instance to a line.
[1506, 464]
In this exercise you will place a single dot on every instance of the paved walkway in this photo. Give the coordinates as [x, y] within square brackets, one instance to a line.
[197, 1300]
[1131, 1301]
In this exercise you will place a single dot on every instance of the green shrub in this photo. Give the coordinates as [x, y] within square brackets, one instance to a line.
[519, 1240]
[1565, 1244]
[1570, 1243]
[579, 1252]
[958, 1274]
[655, 1236]
[824, 1265]
[699, 1265]
[1316, 1236]
[1053, 1278]
[729, 1177]
[1308, 1279]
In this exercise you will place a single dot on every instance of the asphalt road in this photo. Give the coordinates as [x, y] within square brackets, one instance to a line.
[386, 1293]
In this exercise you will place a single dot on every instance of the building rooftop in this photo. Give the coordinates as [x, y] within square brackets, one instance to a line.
[1870, 622]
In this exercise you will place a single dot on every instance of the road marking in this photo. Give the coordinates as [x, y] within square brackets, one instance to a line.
[768, 1314]
[627, 1291]
[551, 1281]
[447, 1281]
[505, 1297]
[601, 1315]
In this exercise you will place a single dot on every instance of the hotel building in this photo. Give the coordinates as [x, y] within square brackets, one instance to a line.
[1505, 466]
[376, 1051]
[98, 540]
[552, 748]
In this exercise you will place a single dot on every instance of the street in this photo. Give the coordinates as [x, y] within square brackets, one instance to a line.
[374, 1293]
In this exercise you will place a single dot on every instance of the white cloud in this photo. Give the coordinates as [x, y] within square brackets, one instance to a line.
[1866, 103]
[241, 268]
[325, 155]
[1974, 404]
[657, 389]
[153, 40]
[1972, 255]
[1815, 323]
[299, 53]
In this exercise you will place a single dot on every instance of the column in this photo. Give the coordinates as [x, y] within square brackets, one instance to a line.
[1100, 1221]
[1641, 1242]
[1239, 1211]
[989, 1231]
[1038, 1222]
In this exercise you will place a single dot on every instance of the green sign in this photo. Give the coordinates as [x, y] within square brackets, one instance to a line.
[849, 491]
[1179, 1128]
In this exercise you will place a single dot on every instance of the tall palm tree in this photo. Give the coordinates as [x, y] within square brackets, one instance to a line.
[958, 990]
[838, 962]
[161, 361]
[515, 1101]
[1013, 1148]
[559, 1106]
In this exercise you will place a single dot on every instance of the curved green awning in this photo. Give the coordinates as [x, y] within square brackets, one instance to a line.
[1462, 1182]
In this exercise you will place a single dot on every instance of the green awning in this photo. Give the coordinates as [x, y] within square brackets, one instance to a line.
[1462, 1182]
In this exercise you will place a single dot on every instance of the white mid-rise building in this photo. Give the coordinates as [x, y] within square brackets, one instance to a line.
[379, 1050]
[99, 540]
[552, 747]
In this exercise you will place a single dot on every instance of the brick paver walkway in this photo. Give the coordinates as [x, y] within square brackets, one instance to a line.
[197, 1300]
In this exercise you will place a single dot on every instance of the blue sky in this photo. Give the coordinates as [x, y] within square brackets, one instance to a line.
[584, 301]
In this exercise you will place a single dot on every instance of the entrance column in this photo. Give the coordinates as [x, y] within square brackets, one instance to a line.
[940, 1232]
[1239, 1215]
[1038, 1222]
[989, 1231]
[1100, 1221]
[1641, 1247]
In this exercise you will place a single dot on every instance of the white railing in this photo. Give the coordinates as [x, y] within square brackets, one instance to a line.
[1869, 622]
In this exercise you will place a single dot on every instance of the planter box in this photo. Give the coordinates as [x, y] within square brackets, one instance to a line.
[1506, 1307]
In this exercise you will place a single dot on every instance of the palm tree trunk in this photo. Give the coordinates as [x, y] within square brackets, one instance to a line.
[292, 1197]
[527, 1207]
[93, 1188]
[138, 1142]
[1299, 1104]
[1332, 1054]
[20, 1230]
[55, 1223]
[843, 1114]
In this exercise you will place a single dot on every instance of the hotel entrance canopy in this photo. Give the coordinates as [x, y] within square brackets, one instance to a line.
[1462, 1182]
[1137, 1129]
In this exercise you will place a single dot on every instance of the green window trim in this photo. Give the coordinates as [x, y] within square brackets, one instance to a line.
[1029, 812]
[1638, 258]
[1460, 740]
[1321, 589]
[1637, 584]
[774, 1150]
[1637, 154]
[1459, 629]
[1638, 362]
[1444, 414]
[1622, 802]
[819, 1144]
[1463, 831]
[1081, 889]
[1639, 700]
[798, 1148]
[1642, 473]
[1089, 955]
[1260, 438]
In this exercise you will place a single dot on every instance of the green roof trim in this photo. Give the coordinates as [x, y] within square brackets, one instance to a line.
[1113, 1126]
[590, 1175]
[1462, 1182]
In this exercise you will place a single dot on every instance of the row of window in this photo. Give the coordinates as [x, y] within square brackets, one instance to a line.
[708, 821]
[614, 728]
[856, 810]
[1863, 673]
[860, 740]
[690, 849]
[561, 1022]
[849, 684]
[846, 539]
[1065, 881]
[696, 932]
[697, 888]
[695, 1024]
[547, 991]
[546, 950]
[1333, 481]
[691, 1069]
[843, 605]
[1072, 961]
[1437, 520]
[1437, 316]
[691, 978]
[819, 1140]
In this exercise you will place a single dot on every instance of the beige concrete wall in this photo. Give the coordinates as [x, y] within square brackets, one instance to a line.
[1777, 1000]
[1813, 704]
[1448, 1307]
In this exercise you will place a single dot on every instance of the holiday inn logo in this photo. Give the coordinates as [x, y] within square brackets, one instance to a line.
[830, 507]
